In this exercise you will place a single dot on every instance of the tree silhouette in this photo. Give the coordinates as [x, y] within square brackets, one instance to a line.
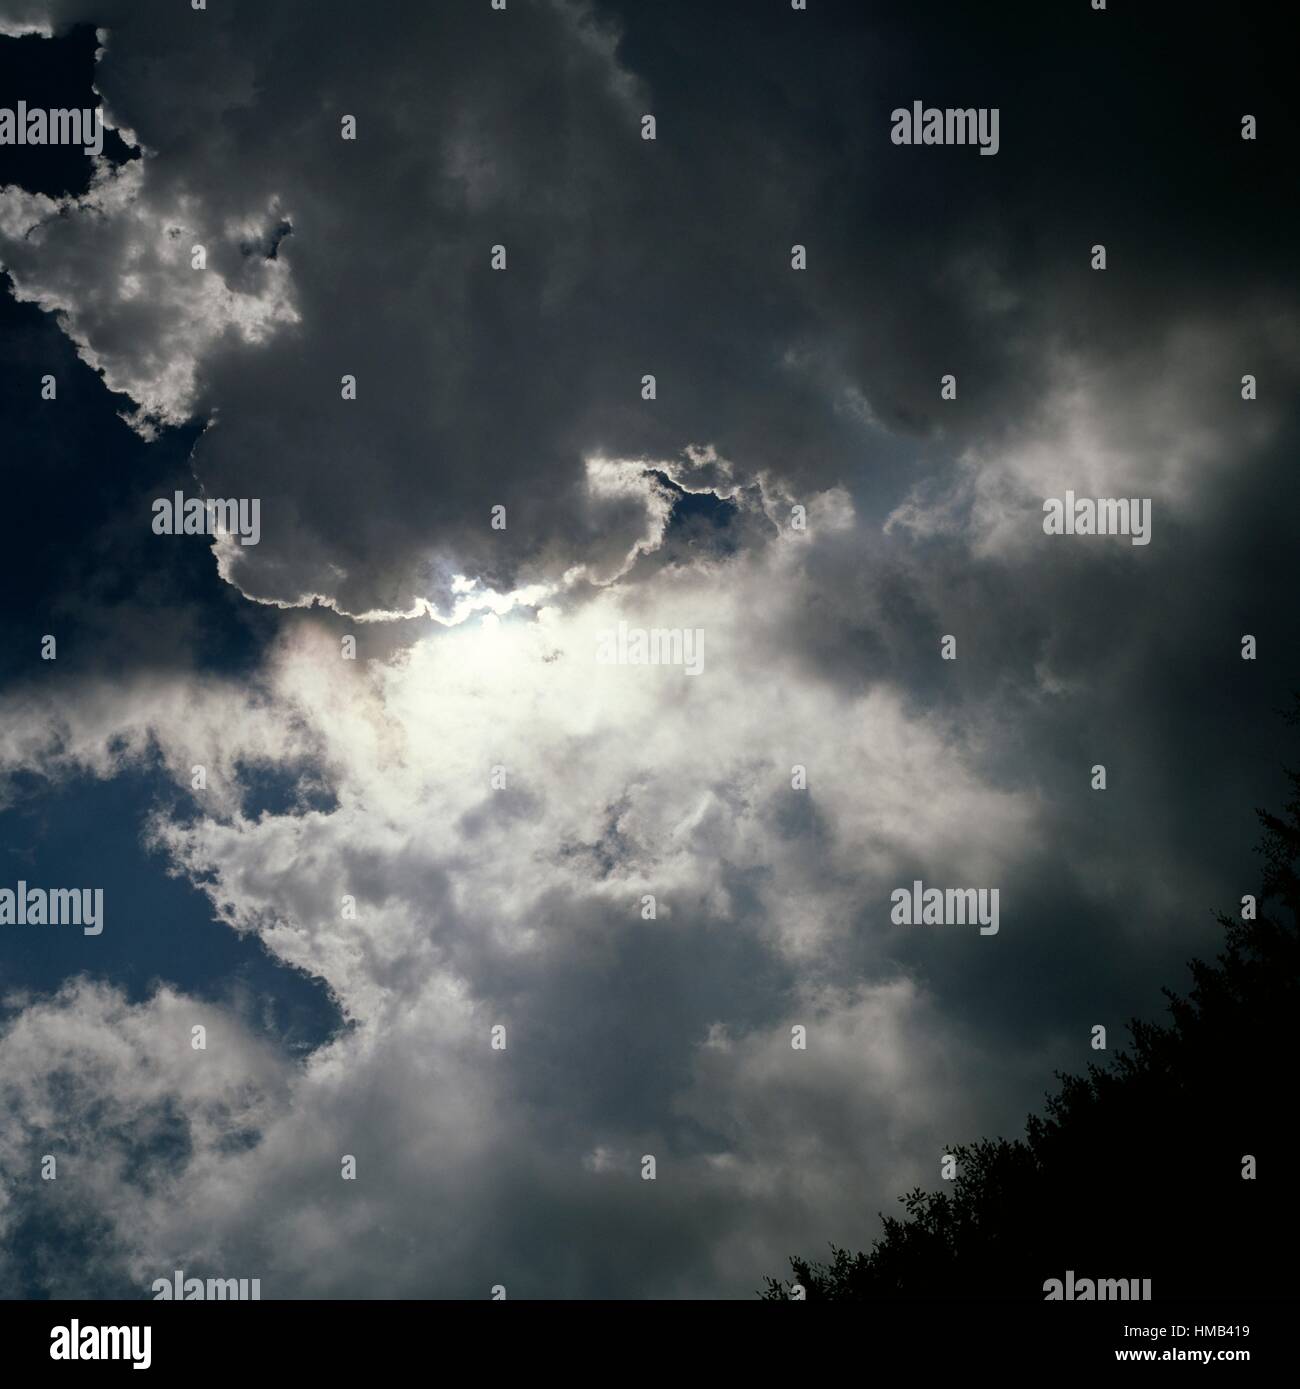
[1136, 1169]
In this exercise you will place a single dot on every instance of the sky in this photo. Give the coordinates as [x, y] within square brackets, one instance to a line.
[430, 808]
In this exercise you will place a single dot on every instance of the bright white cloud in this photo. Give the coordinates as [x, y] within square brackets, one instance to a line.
[521, 906]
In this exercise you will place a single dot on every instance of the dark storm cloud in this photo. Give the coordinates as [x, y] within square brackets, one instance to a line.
[672, 257]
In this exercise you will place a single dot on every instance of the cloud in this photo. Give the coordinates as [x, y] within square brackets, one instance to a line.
[479, 388]
[476, 647]
[1164, 421]
[373, 505]
[134, 1117]
[117, 271]
[522, 906]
